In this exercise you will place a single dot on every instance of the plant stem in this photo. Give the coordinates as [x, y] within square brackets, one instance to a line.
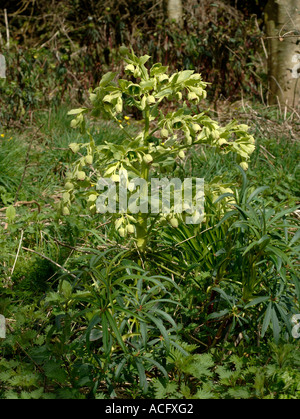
[142, 224]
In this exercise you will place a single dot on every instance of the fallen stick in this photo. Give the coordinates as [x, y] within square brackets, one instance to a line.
[19, 203]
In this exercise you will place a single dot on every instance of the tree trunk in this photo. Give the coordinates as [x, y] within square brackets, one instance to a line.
[175, 11]
[282, 18]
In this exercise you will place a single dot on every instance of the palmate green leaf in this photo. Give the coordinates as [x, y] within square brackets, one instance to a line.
[295, 238]
[157, 365]
[296, 282]
[216, 315]
[116, 331]
[256, 192]
[106, 339]
[256, 301]
[275, 324]
[224, 195]
[144, 333]
[166, 316]
[95, 320]
[281, 214]
[130, 313]
[267, 319]
[284, 316]
[159, 324]
[226, 297]
[120, 367]
[142, 374]
[261, 244]
[244, 184]
[159, 301]
[280, 254]
[228, 215]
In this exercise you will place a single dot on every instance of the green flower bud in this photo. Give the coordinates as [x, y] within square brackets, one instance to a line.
[130, 68]
[248, 148]
[89, 159]
[66, 197]
[115, 178]
[119, 105]
[130, 229]
[92, 198]
[150, 100]
[122, 232]
[137, 73]
[222, 141]
[174, 222]
[164, 133]
[81, 175]
[251, 139]
[134, 89]
[123, 50]
[181, 154]
[74, 147]
[143, 103]
[192, 96]
[69, 186]
[148, 158]
[66, 211]
[196, 127]
[244, 165]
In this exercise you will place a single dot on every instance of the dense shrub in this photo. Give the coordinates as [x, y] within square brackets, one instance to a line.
[71, 49]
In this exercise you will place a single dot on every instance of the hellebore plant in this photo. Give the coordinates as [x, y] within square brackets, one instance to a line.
[165, 137]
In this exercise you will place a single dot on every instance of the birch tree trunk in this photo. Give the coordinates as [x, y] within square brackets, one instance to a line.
[282, 18]
[175, 11]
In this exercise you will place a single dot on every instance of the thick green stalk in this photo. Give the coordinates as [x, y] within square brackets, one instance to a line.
[142, 223]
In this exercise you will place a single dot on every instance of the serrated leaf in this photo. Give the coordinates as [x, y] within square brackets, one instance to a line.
[11, 213]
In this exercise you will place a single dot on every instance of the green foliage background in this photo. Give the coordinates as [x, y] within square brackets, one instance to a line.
[202, 313]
